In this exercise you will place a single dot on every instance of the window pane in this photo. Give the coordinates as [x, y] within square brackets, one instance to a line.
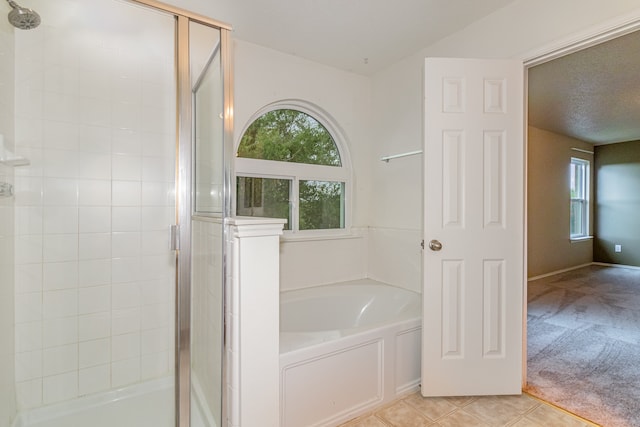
[577, 218]
[289, 136]
[321, 205]
[577, 180]
[264, 197]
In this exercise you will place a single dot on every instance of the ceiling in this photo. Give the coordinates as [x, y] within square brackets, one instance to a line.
[592, 94]
[362, 36]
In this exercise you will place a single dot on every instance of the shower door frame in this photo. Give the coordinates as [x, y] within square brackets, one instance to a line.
[184, 193]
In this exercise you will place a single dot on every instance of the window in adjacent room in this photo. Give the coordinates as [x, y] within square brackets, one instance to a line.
[579, 182]
[290, 165]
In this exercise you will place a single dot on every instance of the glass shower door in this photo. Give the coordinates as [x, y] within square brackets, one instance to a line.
[207, 229]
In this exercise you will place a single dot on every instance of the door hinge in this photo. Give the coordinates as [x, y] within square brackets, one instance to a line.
[174, 237]
[422, 244]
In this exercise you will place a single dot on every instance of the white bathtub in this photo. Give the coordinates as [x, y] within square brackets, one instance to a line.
[345, 348]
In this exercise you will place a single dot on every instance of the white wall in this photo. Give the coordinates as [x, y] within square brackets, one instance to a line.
[7, 388]
[520, 27]
[263, 76]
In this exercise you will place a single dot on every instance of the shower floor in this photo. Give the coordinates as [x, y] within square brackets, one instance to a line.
[146, 405]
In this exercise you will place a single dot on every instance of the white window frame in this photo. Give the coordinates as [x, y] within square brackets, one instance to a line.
[585, 165]
[296, 172]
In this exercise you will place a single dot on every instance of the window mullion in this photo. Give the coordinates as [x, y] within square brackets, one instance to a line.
[585, 216]
[295, 204]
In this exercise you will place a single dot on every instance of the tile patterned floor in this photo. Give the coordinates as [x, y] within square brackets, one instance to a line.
[484, 411]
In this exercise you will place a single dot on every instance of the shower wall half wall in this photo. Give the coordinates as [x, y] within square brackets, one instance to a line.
[94, 276]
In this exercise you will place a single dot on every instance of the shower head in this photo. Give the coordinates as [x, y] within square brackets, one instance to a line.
[22, 17]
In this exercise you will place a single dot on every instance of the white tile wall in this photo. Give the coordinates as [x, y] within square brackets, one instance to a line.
[125, 372]
[29, 393]
[28, 278]
[56, 388]
[94, 353]
[9, 370]
[29, 365]
[93, 270]
[94, 379]
[9, 311]
[125, 320]
[60, 331]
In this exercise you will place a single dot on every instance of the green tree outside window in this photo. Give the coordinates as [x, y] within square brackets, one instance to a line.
[291, 136]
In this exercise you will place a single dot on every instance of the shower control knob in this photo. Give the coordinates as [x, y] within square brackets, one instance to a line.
[435, 245]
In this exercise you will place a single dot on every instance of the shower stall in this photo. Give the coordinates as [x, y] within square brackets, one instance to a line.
[115, 123]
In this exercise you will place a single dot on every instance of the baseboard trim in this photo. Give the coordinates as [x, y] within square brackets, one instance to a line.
[564, 270]
[601, 264]
[606, 264]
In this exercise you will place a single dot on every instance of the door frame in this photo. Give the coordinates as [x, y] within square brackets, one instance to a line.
[592, 36]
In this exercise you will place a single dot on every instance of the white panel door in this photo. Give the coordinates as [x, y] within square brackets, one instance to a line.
[473, 209]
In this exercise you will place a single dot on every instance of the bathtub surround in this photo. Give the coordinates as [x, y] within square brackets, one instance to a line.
[395, 256]
[583, 343]
[323, 259]
[389, 255]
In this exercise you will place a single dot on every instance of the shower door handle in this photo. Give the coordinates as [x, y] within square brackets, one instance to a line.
[435, 245]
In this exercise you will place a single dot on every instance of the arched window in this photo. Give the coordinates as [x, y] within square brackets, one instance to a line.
[289, 165]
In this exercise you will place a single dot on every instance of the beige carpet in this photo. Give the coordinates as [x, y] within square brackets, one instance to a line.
[583, 335]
